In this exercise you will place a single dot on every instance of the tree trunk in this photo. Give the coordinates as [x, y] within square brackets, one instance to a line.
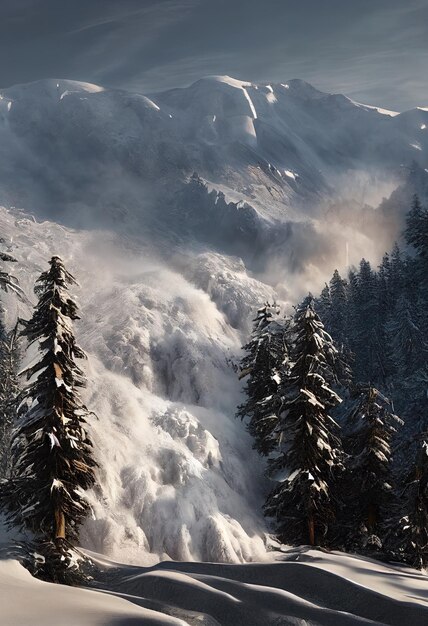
[59, 524]
[311, 529]
[371, 518]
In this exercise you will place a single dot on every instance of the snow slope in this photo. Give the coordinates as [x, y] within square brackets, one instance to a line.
[25, 600]
[299, 587]
[83, 152]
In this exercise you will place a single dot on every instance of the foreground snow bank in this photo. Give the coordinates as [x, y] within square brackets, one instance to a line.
[25, 600]
[301, 587]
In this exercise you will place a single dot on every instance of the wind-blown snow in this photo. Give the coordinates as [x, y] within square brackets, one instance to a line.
[228, 80]
[378, 109]
[76, 86]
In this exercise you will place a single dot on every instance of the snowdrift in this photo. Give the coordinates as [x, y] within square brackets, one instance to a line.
[300, 587]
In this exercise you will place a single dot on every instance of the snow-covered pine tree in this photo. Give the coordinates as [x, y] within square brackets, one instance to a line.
[385, 299]
[309, 455]
[417, 227]
[417, 236]
[52, 452]
[367, 325]
[9, 361]
[407, 340]
[371, 426]
[384, 275]
[396, 273]
[265, 361]
[7, 281]
[410, 535]
[8, 365]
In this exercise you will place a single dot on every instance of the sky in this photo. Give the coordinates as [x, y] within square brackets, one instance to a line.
[375, 51]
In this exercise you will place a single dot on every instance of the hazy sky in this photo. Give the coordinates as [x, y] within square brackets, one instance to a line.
[375, 51]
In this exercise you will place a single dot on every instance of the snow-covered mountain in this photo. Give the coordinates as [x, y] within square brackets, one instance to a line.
[228, 130]
[279, 165]
[289, 137]
[180, 213]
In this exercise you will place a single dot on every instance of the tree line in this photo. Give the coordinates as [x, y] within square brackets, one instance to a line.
[46, 455]
[322, 391]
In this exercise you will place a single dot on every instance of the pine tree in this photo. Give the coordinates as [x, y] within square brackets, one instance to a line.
[417, 236]
[384, 275]
[9, 360]
[323, 306]
[309, 449]
[396, 273]
[371, 426]
[417, 228]
[264, 363]
[368, 345]
[7, 281]
[385, 299]
[52, 457]
[8, 366]
[410, 536]
[338, 317]
[407, 340]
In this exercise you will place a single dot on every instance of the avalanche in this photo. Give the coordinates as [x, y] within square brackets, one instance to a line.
[174, 472]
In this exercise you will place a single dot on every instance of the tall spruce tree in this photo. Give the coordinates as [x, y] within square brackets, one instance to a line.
[9, 360]
[396, 273]
[371, 426]
[417, 236]
[264, 363]
[410, 535]
[384, 279]
[338, 316]
[7, 281]
[417, 227]
[369, 347]
[52, 452]
[407, 340]
[309, 454]
[8, 366]
[323, 306]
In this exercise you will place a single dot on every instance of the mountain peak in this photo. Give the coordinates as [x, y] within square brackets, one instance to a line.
[228, 80]
[53, 87]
